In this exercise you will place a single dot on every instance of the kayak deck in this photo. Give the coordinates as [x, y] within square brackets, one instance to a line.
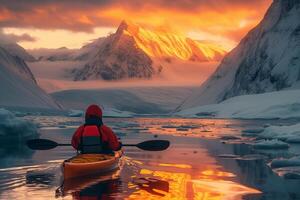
[89, 164]
[88, 158]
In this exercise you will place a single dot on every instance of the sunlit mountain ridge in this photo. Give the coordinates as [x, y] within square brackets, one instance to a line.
[167, 44]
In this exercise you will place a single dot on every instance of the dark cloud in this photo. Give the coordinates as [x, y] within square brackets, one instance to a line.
[84, 15]
[15, 38]
[216, 17]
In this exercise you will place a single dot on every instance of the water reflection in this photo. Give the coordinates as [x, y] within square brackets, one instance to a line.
[41, 180]
[189, 169]
[166, 185]
[97, 186]
[153, 186]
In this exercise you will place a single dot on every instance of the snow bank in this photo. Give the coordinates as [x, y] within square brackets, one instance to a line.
[107, 112]
[271, 144]
[15, 129]
[140, 100]
[110, 112]
[75, 113]
[273, 105]
[290, 134]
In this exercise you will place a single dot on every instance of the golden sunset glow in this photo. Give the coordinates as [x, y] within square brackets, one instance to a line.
[164, 44]
[224, 22]
[182, 186]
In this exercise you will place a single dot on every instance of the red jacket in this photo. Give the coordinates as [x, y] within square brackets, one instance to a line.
[107, 134]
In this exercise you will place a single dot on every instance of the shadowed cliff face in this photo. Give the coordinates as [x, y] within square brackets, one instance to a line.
[267, 59]
[18, 85]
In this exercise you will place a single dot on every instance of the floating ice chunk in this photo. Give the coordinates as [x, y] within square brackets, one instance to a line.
[182, 129]
[252, 157]
[289, 133]
[229, 137]
[256, 130]
[293, 139]
[228, 156]
[271, 144]
[188, 126]
[169, 126]
[252, 132]
[292, 175]
[15, 129]
[277, 163]
[75, 113]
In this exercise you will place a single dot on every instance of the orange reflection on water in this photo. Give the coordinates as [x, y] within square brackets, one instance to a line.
[204, 128]
[183, 186]
[220, 189]
[217, 173]
[183, 166]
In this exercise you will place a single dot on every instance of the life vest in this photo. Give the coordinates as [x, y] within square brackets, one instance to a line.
[91, 140]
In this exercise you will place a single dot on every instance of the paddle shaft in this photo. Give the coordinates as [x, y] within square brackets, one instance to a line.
[129, 145]
[123, 145]
[150, 145]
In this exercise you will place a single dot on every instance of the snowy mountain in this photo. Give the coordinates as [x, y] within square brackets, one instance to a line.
[119, 57]
[167, 45]
[267, 59]
[18, 86]
[16, 50]
[131, 52]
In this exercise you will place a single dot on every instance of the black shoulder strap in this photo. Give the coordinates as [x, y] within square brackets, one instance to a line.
[81, 138]
[100, 133]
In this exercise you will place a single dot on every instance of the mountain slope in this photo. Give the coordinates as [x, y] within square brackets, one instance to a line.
[163, 44]
[135, 52]
[18, 86]
[118, 58]
[267, 59]
[14, 49]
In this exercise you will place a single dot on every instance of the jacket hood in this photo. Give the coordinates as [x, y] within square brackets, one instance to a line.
[93, 111]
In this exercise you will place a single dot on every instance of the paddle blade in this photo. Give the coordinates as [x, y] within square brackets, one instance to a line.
[154, 145]
[41, 144]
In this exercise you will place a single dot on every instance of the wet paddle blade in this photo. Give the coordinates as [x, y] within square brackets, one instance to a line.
[154, 145]
[41, 144]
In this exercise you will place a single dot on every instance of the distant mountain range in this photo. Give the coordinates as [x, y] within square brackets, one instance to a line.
[267, 59]
[64, 54]
[132, 52]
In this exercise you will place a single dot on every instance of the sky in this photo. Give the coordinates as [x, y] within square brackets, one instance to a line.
[73, 23]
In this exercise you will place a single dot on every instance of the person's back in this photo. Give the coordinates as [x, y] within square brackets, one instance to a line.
[94, 136]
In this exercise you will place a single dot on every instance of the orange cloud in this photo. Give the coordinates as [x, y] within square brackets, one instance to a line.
[230, 19]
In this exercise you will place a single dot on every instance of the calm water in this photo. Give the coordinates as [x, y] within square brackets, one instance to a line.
[197, 165]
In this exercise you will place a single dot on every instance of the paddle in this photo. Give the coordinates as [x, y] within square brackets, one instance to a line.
[150, 145]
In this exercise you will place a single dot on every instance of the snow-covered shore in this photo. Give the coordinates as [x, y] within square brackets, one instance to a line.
[273, 105]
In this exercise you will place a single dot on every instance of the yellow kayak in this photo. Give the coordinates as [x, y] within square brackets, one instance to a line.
[89, 164]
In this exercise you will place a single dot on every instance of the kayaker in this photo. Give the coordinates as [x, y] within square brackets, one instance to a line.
[94, 136]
